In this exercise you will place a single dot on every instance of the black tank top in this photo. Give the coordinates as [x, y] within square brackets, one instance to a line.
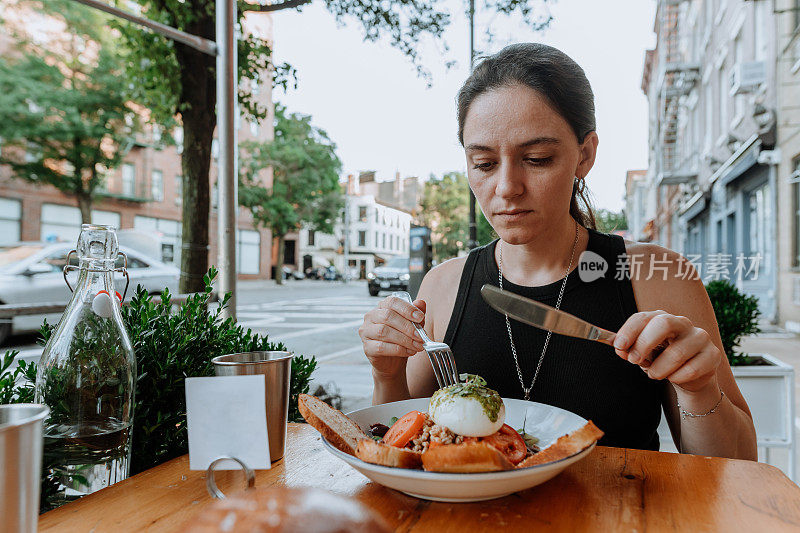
[582, 376]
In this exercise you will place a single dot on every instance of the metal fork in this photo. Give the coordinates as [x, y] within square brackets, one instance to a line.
[440, 354]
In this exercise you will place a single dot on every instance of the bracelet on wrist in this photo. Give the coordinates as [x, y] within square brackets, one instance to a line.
[686, 414]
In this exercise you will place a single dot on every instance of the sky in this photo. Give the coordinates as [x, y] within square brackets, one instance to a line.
[383, 117]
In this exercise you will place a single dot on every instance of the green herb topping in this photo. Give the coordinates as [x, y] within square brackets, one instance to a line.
[472, 386]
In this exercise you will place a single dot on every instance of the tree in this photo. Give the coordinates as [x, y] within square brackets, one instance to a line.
[444, 209]
[63, 109]
[608, 221]
[305, 190]
[173, 79]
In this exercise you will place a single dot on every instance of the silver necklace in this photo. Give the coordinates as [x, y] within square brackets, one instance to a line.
[527, 390]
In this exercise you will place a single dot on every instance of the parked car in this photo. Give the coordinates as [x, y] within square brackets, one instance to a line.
[31, 273]
[393, 276]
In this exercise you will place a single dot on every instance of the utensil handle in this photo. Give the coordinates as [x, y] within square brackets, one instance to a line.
[403, 295]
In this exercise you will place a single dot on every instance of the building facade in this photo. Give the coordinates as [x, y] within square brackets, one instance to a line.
[639, 209]
[711, 85]
[788, 179]
[144, 193]
[370, 232]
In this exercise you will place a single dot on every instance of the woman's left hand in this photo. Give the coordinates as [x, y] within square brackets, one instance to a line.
[690, 359]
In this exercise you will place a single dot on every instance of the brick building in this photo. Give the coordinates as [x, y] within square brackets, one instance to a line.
[144, 193]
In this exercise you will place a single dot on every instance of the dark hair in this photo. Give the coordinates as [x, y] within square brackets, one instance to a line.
[555, 76]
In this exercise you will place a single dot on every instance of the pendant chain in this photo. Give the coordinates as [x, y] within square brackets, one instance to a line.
[527, 391]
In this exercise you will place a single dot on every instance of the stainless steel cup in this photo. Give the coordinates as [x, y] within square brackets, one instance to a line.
[20, 465]
[276, 368]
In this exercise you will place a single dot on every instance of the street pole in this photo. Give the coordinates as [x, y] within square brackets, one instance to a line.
[473, 226]
[226, 131]
[225, 50]
[346, 268]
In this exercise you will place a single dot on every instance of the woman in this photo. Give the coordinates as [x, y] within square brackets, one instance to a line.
[526, 121]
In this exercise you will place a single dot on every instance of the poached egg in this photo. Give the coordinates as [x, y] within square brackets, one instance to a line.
[469, 408]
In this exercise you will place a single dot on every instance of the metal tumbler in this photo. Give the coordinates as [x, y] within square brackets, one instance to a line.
[276, 368]
[20, 465]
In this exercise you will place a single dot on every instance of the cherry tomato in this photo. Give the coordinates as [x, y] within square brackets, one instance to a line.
[509, 442]
[405, 429]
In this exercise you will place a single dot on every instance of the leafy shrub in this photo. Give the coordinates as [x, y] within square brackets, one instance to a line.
[737, 315]
[169, 346]
[10, 390]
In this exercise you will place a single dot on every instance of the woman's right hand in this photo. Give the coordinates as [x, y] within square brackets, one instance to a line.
[389, 336]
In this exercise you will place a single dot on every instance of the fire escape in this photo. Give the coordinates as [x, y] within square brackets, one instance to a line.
[678, 161]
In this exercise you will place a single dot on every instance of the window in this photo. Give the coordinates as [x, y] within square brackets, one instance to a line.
[178, 136]
[311, 237]
[384, 241]
[132, 262]
[157, 186]
[128, 179]
[758, 221]
[156, 134]
[63, 222]
[730, 235]
[377, 221]
[56, 260]
[169, 233]
[10, 215]
[248, 248]
[254, 128]
[178, 190]
[362, 213]
[376, 239]
[362, 238]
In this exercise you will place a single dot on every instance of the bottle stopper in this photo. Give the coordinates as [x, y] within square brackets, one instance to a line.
[102, 304]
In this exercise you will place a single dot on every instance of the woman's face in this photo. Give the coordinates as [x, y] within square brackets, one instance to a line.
[522, 159]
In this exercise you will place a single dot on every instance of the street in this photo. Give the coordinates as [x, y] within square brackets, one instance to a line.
[318, 318]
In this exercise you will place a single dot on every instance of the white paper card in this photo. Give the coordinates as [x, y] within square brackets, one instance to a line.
[226, 416]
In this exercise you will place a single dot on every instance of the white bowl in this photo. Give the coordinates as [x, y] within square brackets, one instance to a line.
[546, 422]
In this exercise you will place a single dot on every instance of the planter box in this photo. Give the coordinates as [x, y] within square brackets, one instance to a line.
[769, 391]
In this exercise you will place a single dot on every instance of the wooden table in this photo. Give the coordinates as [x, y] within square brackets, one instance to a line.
[612, 489]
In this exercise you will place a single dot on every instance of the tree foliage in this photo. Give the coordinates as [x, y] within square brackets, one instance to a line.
[305, 190]
[64, 115]
[609, 221]
[445, 210]
[173, 79]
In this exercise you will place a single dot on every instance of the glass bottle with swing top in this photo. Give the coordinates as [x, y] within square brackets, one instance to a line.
[87, 376]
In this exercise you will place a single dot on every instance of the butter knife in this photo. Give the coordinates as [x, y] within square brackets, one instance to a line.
[543, 316]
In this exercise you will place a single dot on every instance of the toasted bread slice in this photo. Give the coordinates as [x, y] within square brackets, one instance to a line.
[382, 454]
[467, 457]
[565, 446]
[339, 430]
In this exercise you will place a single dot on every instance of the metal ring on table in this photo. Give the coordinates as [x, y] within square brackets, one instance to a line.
[211, 484]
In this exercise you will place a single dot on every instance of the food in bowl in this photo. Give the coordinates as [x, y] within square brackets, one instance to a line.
[423, 440]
